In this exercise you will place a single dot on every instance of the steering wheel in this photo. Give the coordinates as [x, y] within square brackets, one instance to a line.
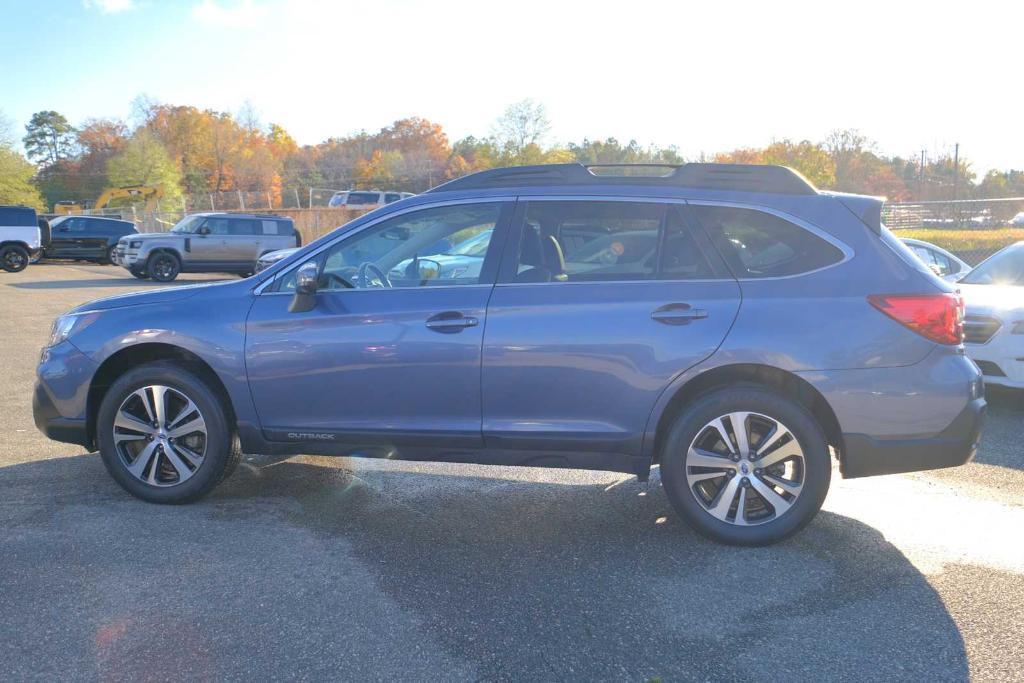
[365, 269]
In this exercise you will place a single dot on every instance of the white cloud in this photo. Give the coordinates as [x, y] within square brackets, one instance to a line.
[110, 6]
[238, 13]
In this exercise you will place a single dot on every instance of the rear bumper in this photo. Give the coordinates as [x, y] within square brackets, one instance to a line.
[866, 456]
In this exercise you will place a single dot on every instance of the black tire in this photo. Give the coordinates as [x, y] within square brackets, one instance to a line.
[693, 420]
[141, 274]
[109, 258]
[222, 452]
[163, 266]
[14, 258]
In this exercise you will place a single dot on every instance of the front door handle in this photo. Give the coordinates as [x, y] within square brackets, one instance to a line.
[451, 321]
[678, 314]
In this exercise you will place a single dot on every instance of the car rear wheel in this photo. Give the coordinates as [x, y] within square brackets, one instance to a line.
[746, 466]
[111, 253]
[14, 258]
[163, 267]
[164, 434]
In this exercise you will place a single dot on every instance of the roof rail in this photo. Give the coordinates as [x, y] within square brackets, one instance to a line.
[742, 177]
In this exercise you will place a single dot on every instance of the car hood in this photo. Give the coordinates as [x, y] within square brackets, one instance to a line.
[279, 254]
[154, 296]
[146, 236]
[993, 300]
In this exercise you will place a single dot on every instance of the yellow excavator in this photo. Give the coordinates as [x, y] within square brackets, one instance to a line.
[151, 194]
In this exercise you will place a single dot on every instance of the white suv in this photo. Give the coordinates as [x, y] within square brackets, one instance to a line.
[365, 199]
[19, 237]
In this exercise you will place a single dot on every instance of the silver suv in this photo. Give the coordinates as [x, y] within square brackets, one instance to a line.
[206, 243]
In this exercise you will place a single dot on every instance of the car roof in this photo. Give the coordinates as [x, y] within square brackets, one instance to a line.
[224, 214]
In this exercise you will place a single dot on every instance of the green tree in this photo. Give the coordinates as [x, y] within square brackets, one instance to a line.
[144, 161]
[16, 186]
[49, 138]
[523, 123]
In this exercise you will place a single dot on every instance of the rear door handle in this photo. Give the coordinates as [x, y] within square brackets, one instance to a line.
[678, 314]
[451, 321]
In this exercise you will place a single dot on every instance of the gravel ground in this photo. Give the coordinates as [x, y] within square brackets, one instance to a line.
[327, 567]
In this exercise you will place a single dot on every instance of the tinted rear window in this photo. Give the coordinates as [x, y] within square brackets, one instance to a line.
[759, 244]
[356, 198]
[17, 215]
[275, 227]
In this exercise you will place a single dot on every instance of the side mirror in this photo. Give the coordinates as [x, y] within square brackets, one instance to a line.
[306, 281]
[428, 269]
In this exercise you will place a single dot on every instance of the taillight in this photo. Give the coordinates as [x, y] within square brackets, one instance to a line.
[939, 317]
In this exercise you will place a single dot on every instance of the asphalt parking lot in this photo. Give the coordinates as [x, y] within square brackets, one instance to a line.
[320, 567]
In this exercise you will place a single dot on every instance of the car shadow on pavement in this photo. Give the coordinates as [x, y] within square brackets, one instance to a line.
[309, 569]
[1004, 424]
[127, 281]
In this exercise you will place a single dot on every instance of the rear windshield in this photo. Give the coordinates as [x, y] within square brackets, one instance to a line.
[757, 244]
[17, 216]
[1005, 268]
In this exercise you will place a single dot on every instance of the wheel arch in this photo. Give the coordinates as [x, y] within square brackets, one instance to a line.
[125, 359]
[748, 374]
[164, 250]
[15, 243]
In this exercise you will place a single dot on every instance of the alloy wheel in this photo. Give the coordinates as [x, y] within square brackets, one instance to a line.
[14, 260]
[745, 468]
[160, 435]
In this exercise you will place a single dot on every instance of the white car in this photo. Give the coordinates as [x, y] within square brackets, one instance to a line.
[994, 323]
[945, 265]
[365, 199]
[1018, 220]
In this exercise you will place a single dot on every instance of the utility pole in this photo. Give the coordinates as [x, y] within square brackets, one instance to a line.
[956, 178]
[920, 178]
[956, 167]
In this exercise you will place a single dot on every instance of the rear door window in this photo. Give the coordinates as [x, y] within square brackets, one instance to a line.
[241, 227]
[601, 241]
[757, 244]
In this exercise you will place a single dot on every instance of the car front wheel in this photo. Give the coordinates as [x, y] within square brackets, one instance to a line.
[163, 267]
[164, 435]
[746, 466]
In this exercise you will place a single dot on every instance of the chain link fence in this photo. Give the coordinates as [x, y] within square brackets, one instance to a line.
[971, 229]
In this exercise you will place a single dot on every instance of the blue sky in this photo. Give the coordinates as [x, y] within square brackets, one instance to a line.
[702, 76]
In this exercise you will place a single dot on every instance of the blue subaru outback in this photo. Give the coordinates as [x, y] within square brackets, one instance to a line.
[731, 324]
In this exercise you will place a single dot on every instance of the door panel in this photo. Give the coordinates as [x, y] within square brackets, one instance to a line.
[390, 352]
[630, 301]
[579, 367]
[367, 363]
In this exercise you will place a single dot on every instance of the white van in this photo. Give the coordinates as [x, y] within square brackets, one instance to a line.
[365, 199]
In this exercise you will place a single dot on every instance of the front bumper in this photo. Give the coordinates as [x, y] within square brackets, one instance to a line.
[865, 456]
[59, 402]
[1001, 358]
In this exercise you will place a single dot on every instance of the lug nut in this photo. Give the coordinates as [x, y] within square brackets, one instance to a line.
[745, 482]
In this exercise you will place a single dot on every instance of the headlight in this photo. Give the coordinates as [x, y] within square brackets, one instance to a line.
[1018, 327]
[64, 325]
[135, 244]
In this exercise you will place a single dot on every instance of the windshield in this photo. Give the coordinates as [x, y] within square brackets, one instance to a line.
[1005, 268]
[187, 224]
[474, 246]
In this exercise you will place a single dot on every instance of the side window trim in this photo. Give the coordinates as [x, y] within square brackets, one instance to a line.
[847, 251]
[501, 229]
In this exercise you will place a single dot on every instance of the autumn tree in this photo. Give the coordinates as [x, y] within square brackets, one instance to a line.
[145, 161]
[98, 141]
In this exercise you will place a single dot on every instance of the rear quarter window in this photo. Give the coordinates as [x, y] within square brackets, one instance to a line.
[757, 244]
[17, 216]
